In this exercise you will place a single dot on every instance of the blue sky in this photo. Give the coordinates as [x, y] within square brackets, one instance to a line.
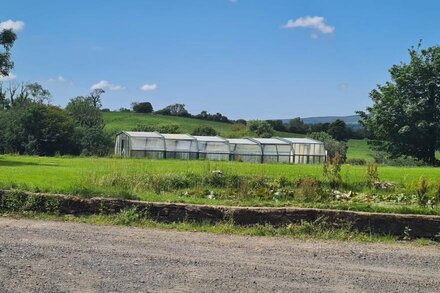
[243, 58]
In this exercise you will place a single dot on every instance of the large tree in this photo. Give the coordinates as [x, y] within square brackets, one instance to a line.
[7, 39]
[404, 119]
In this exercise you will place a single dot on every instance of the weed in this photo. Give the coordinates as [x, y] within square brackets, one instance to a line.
[422, 190]
[372, 174]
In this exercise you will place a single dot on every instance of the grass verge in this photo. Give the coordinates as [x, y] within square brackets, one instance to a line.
[305, 230]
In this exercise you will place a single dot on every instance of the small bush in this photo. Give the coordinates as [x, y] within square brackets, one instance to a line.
[204, 130]
[307, 190]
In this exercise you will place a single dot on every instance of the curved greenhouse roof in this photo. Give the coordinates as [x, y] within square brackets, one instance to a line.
[185, 146]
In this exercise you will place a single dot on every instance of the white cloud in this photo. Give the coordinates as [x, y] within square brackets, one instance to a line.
[12, 25]
[105, 85]
[313, 22]
[149, 87]
[9, 77]
[233, 1]
[59, 79]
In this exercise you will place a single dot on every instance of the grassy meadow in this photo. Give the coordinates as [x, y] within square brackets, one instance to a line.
[407, 189]
[192, 181]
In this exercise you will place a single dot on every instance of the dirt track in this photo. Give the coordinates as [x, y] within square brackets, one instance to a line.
[55, 256]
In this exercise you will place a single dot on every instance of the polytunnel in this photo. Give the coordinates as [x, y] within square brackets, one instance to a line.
[140, 144]
[213, 148]
[275, 150]
[180, 146]
[184, 146]
[245, 150]
[307, 150]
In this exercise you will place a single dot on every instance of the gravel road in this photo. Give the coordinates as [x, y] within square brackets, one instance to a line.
[47, 256]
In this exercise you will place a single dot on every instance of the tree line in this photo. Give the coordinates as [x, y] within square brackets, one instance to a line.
[176, 110]
[32, 125]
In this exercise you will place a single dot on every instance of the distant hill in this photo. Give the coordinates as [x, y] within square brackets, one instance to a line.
[350, 120]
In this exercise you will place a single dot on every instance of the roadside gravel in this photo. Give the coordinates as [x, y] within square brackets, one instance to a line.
[45, 256]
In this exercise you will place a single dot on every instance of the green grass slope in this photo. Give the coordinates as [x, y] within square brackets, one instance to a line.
[120, 121]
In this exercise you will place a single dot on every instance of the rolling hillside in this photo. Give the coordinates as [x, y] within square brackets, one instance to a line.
[120, 121]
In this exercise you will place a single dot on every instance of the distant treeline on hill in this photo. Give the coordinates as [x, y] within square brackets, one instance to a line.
[338, 129]
[176, 110]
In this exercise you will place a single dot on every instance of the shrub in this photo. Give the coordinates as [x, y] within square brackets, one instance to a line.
[204, 130]
[332, 146]
[260, 128]
[384, 158]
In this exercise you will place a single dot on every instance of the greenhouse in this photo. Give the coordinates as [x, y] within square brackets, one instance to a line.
[140, 144]
[180, 146]
[275, 150]
[307, 151]
[213, 148]
[245, 150]
[184, 146]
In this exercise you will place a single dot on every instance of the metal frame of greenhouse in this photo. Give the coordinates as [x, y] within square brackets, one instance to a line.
[187, 147]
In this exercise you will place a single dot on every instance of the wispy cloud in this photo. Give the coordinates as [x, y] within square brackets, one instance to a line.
[233, 1]
[149, 87]
[9, 24]
[58, 79]
[105, 85]
[316, 23]
[9, 77]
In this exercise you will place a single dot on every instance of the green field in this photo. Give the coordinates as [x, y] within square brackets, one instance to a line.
[135, 178]
[120, 121]
[359, 149]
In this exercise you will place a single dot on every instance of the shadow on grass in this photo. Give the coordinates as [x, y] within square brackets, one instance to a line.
[9, 163]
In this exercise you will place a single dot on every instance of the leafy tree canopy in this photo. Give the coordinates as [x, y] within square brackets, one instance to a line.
[143, 107]
[404, 119]
[260, 128]
[7, 39]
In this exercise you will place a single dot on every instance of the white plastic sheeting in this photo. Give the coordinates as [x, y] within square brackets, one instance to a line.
[307, 150]
[213, 148]
[184, 146]
[245, 150]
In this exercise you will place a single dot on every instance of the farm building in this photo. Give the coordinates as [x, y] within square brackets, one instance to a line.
[245, 150]
[275, 150]
[307, 151]
[213, 148]
[184, 146]
[140, 144]
[180, 146]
